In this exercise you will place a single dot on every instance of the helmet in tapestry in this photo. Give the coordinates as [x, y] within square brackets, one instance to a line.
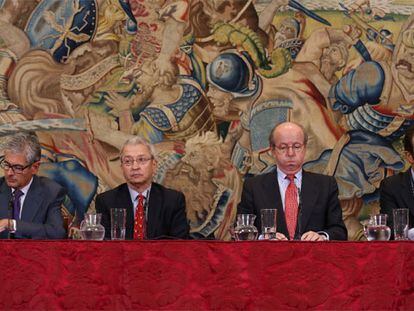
[232, 72]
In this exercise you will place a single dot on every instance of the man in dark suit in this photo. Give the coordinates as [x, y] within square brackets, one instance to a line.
[307, 203]
[152, 211]
[397, 191]
[29, 204]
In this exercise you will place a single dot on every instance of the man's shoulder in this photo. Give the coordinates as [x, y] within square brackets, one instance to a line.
[395, 180]
[114, 192]
[47, 184]
[318, 176]
[167, 191]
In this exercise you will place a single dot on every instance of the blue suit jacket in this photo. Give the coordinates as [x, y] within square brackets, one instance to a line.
[41, 216]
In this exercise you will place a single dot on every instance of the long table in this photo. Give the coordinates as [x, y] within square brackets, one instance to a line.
[195, 275]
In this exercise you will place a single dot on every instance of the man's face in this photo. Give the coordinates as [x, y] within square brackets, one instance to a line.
[289, 151]
[405, 63]
[286, 31]
[221, 101]
[138, 166]
[16, 178]
[332, 55]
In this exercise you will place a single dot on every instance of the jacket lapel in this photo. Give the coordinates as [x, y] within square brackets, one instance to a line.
[155, 204]
[309, 194]
[32, 201]
[124, 201]
[273, 200]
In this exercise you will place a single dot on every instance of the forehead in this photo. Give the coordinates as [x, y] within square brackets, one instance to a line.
[14, 158]
[290, 134]
[136, 150]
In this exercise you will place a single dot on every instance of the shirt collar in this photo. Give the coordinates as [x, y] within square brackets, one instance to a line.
[25, 189]
[134, 194]
[282, 176]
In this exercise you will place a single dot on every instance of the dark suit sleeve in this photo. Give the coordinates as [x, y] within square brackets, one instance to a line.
[246, 205]
[388, 202]
[52, 228]
[179, 227]
[102, 208]
[334, 226]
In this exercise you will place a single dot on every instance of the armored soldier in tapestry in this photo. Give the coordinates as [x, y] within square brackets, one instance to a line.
[205, 81]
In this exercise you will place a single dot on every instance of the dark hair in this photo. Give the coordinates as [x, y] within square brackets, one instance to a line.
[272, 143]
[408, 140]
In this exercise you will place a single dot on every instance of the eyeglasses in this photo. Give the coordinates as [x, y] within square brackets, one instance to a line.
[285, 148]
[129, 161]
[16, 168]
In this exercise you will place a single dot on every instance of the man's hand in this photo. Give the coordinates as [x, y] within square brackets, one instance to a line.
[4, 224]
[312, 236]
[281, 237]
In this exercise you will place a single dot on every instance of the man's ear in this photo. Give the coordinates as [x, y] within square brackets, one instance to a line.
[35, 167]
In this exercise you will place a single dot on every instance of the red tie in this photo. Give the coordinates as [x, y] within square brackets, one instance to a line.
[139, 224]
[291, 206]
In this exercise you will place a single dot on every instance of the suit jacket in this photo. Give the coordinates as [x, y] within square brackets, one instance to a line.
[166, 212]
[396, 192]
[319, 209]
[41, 216]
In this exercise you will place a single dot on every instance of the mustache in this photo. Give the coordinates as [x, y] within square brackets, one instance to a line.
[404, 63]
[190, 172]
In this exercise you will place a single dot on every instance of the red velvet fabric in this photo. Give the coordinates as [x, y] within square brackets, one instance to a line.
[195, 275]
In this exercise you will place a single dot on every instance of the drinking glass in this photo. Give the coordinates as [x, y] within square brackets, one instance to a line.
[118, 223]
[268, 220]
[378, 229]
[400, 217]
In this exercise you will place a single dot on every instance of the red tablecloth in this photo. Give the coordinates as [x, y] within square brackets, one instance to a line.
[194, 275]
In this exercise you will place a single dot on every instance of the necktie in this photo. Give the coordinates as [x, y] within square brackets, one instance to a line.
[291, 206]
[17, 194]
[139, 224]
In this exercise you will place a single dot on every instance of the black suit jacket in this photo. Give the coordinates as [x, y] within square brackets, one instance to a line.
[396, 192]
[41, 216]
[166, 212]
[319, 210]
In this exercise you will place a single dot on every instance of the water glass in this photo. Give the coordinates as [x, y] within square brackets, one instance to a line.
[268, 220]
[118, 223]
[400, 217]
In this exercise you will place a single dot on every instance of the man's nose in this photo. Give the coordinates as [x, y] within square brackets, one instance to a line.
[290, 151]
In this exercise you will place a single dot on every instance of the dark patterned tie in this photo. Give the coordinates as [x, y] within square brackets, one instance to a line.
[17, 194]
[291, 206]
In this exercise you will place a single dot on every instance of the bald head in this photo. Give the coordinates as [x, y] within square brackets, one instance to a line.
[286, 127]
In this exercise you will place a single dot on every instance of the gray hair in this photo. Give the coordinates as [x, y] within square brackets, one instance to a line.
[24, 143]
[138, 140]
[272, 144]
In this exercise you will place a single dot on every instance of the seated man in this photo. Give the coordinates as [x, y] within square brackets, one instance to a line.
[152, 211]
[307, 203]
[397, 191]
[29, 204]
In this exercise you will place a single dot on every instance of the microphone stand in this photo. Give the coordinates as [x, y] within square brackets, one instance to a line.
[10, 235]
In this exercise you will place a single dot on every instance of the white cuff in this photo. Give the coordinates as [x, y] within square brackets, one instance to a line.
[13, 225]
[324, 234]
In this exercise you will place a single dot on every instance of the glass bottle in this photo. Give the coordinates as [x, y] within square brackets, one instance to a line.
[91, 228]
[377, 228]
[245, 229]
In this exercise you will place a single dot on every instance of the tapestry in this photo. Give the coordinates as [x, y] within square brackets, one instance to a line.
[205, 81]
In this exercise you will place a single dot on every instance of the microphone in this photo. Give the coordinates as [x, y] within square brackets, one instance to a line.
[299, 220]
